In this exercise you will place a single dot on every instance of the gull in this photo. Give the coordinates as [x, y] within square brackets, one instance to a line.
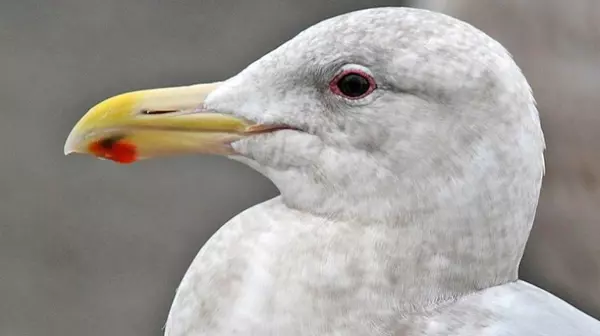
[408, 152]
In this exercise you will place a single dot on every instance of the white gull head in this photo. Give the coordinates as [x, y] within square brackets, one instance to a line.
[409, 177]
[436, 134]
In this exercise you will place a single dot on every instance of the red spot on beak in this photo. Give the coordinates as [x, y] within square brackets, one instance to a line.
[114, 149]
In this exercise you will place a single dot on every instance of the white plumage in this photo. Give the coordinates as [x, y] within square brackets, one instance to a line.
[405, 212]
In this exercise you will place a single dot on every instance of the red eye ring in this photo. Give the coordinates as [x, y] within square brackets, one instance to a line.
[353, 84]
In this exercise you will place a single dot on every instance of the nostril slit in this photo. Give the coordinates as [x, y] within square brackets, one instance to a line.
[152, 112]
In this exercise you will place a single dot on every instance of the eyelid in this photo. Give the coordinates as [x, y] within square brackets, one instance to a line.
[345, 72]
[354, 66]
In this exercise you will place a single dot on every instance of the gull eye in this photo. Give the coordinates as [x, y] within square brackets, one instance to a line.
[353, 84]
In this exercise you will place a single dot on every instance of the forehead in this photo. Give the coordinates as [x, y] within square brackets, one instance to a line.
[386, 37]
[379, 30]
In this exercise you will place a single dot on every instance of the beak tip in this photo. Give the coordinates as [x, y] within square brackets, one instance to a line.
[70, 145]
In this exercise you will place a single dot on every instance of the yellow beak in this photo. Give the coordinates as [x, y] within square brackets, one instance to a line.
[150, 123]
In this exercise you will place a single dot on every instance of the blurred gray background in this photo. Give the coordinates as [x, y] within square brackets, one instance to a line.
[88, 247]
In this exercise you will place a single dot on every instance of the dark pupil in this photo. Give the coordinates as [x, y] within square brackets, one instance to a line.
[353, 85]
